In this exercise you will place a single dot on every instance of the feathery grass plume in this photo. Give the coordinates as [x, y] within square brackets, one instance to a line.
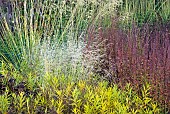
[99, 52]
[33, 22]
[64, 58]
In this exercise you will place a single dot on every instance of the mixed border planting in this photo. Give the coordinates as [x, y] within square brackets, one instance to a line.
[85, 56]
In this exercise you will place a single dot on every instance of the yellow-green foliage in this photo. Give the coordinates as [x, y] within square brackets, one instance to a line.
[4, 102]
[59, 97]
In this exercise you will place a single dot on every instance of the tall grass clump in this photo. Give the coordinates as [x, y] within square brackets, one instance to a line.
[144, 11]
[33, 23]
[136, 56]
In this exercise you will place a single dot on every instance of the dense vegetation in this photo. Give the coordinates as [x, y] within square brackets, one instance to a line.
[85, 56]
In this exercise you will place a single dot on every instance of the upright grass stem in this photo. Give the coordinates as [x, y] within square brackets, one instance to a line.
[144, 11]
[36, 22]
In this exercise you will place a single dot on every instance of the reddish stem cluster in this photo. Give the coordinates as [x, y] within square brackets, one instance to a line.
[136, 56]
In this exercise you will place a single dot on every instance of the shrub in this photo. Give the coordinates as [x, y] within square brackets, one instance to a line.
[54, 95]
